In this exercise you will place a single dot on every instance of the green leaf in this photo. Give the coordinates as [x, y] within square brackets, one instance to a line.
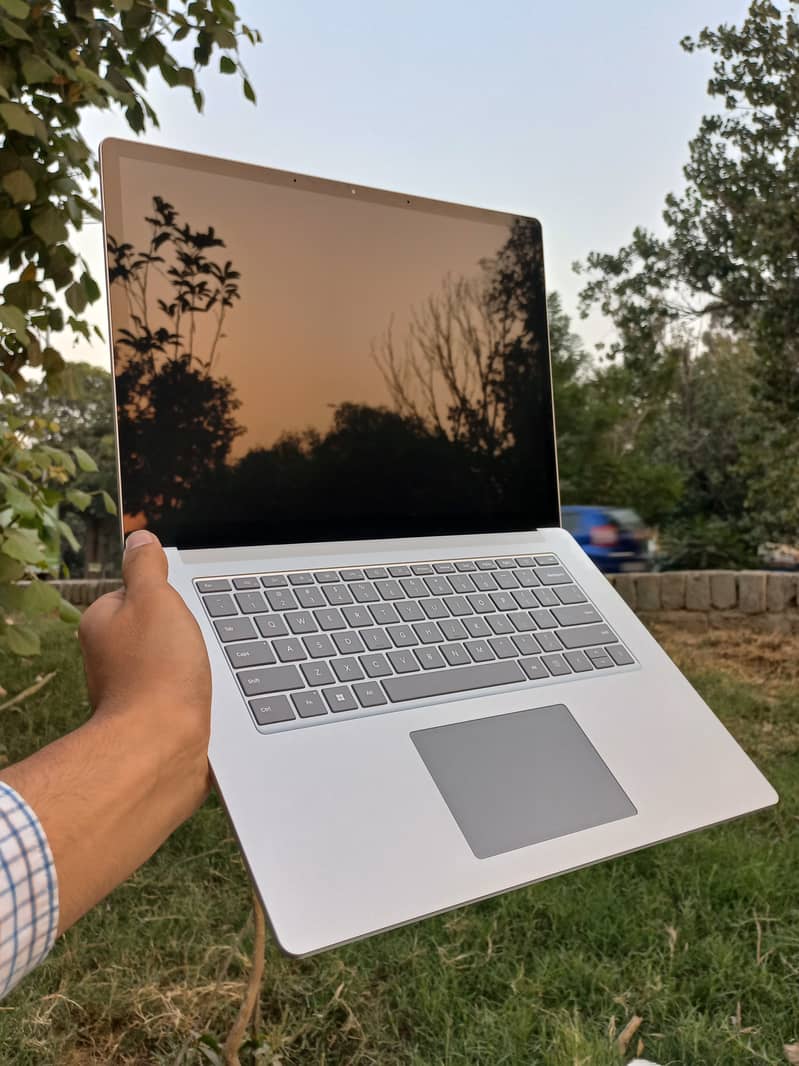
[78, 498]
[39, 597]
[249, 92]
[49, 225]
[109, 503]
[85, 461]
[19, 186]
[68, 535]
[52, 361]
[10, 224]
[75, 297]
[226, 65]
[68, 613]
[10, 569]
[13, 30]
[19, 502]
[17, 118]
[22, 640]
[12, 318]
[122, 5]
[35, 71]
[22, 544]
[18, 9]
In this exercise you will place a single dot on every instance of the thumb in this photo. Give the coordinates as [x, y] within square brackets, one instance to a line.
[144, 563]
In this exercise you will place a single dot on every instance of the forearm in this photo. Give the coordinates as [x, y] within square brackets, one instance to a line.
[107, 795]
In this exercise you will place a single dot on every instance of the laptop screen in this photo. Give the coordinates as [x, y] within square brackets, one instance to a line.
[300, 360]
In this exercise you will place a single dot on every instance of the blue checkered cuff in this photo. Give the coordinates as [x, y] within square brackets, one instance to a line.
[28, 890]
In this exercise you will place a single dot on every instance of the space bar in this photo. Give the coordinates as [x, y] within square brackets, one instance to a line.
[458, 679]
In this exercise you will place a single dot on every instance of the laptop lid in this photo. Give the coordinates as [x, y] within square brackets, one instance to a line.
[300, 360]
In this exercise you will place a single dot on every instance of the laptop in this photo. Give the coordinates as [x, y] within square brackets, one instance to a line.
[334, 406]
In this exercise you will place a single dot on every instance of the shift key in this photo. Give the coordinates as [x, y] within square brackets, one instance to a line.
[586, 636]
[274, 679]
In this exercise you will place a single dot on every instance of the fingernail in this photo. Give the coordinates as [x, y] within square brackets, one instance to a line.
[139, 538]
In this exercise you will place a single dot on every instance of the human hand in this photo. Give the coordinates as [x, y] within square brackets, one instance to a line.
[144, 655]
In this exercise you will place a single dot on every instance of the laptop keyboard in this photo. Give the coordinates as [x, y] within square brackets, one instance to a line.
[310, 645]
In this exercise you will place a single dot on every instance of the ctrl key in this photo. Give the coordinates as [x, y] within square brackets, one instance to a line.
[269, 710]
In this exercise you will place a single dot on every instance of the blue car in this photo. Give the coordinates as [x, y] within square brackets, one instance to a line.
[614, 538]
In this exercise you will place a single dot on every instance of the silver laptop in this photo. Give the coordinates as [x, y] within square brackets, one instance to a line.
[335, 409]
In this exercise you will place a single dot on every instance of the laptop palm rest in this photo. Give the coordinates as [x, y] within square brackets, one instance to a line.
[517, 779]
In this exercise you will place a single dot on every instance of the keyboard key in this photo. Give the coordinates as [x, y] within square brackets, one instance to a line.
[569, 594]
[414, 587]
[548, 642]
[578, 661]
[375, 572]
[352, 574]
[390, 589]
[619, 655]
[457, 606]
[271, 711]
[462, 583]
[340, 698]
[422, 568]
[527, 579]
[266, 679]
[280, 599]
[375, 665]
[479, 651]
[522, 622]
[363, 592]
[428, 632]
[325, 577]
[534, 668]
[347, 669]
[507, 580]
[503, 601]
[465, 566]
[348, 643]
[301, 622]
[585, 636]
[456, 679]
[524, 560]
[486, 564]
[329, 618]
[550, 597]
[500, 623]
[402, 636]
[219, 604]
[453, 629]
[300, 579]
[271, 625]
[250, 602]
[601, 662]
[310, 596]
[357, 616]
[478, 627]
[308, 704]
[246, 583]
[369, 694]
[251, 653]
[481, 603]
[596, 653]
[556, 665]
[579, 614]
[213, 585]
[234, 629]
[505, 564]
[553, 575]
[273, 581]
[409, 611]
[317, 673]
[438, 586]
[543, 618]
[337, 594]
[443, 568]
[484, 582]
[320, 646]
[403, 661]
[384, 614]
[455, 654]
[289, 650]
[546, 560]
[435, 609]
[526, 643]
[429, 658]
[399, 571]
[376, 639]
[503, 647]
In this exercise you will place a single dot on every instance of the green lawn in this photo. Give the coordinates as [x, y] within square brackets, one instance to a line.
[699, 937]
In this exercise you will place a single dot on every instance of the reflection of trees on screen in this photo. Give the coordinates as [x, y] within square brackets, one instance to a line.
[176, 418]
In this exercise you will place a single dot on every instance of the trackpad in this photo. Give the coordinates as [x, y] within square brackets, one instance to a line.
[520, 778]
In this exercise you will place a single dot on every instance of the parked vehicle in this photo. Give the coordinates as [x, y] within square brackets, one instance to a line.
[614, 538]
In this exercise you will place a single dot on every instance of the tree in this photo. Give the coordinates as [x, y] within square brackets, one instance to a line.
[58, 59]
[730, 256]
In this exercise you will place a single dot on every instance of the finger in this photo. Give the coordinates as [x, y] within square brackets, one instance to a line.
[144, 564]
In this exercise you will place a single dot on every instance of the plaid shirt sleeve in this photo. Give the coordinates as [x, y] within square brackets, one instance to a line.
[28, 890]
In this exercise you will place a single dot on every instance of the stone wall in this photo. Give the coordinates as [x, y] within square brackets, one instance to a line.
[697, 599]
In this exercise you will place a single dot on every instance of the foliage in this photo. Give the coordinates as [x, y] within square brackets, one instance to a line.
[730, 257]
[58, 59]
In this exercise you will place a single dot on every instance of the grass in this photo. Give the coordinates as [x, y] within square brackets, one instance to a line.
[699, 938]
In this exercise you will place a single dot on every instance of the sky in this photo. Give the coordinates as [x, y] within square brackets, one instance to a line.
[577, 114]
